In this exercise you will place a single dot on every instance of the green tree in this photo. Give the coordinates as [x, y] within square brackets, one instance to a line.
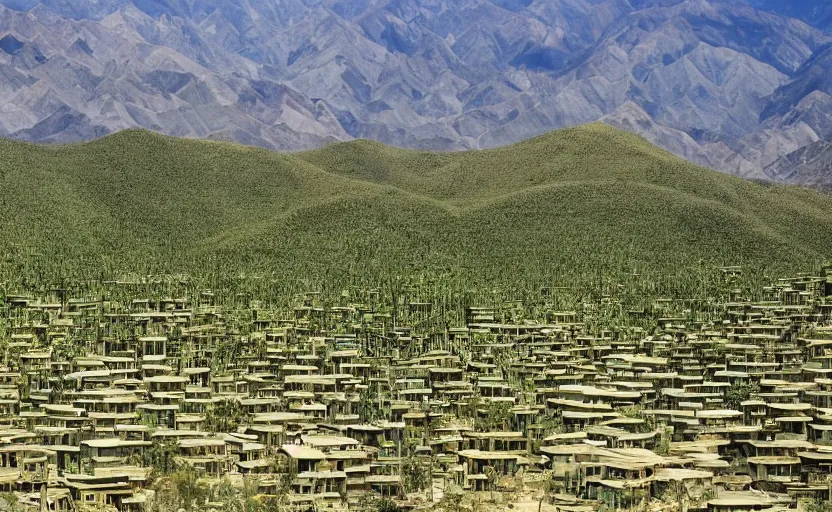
[414, 474]
[225, 416]
[386, 505]
[739, 393]
[368, 409]
[160, 456]
[180, 490]
[549, 485]
[497, 417]
[493, 478]
[452, 499]
[9, 502]
[191, 489]
[244, 498]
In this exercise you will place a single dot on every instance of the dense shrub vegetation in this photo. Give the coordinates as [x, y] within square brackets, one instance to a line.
[588, 208]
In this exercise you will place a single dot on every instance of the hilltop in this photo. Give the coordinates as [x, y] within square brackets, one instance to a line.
[590, 200]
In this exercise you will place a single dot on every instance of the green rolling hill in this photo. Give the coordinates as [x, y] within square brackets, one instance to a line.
[578, 202]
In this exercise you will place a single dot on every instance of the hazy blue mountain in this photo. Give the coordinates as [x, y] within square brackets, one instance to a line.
[810, 166]
[813, 12]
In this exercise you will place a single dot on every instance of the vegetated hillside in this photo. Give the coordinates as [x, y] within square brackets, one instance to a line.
[586, 201]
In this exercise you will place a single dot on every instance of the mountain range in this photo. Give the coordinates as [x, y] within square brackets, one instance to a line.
[813, 12]
[742, 87]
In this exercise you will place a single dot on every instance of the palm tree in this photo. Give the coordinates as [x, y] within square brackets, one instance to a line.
[491, 474]
[548, 487]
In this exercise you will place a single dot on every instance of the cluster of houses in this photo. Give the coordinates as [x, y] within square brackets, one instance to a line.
[717, 405]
